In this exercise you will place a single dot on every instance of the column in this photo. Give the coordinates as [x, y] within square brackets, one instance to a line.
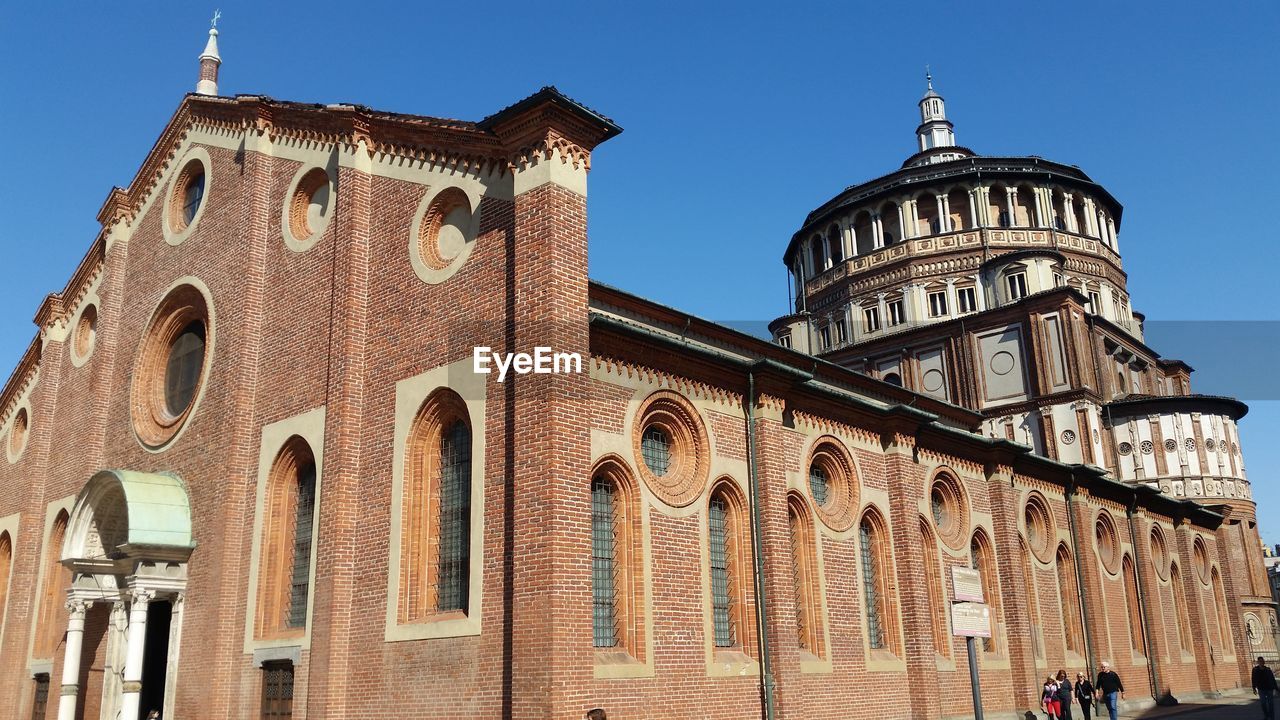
[914, 214]
[877, 231]
[71, 662]
[982, 202]
[1111, 231]
[1068, 208]
[1010, 196]
[953, 306]
[979, 292]
[973, 207]
[945, 220]
[131, 690]
[942, 215]
[846, 234]
[1040, 213]
[1090, 218]
[902, 226]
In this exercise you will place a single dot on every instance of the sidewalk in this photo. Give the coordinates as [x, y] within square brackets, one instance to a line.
[1230, 707]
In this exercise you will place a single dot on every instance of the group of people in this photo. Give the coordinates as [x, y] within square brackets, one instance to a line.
[1058, 694]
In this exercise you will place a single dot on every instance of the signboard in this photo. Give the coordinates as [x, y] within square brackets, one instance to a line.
[966, 585]
[970, 619]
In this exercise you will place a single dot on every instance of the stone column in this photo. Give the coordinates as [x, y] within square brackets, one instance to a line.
[945, 220]
[137, 639]
[71, 664]
[1111, 233]
[973, 207]
[877, 231]
[1010, 201]
[913, 213]
[942, 215]
[902, 226]
[1068, 209]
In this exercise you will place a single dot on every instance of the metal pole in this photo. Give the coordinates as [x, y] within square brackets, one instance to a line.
[974, 682]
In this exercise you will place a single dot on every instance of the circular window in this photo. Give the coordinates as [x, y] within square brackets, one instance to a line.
[1159, 552]
[671, 447]
[187, 196]
[172, 365]
[443, 234]
[1147, 447]
[1170, 445]
[1068, 437]
[307, 208]
[85, 334]
[1191, 444]
[18, 431]
[833, 483]
[1039, 522]
[1107, 542]
[1124, 448]
[947, 506]
[1209, 444]
[1201, 557]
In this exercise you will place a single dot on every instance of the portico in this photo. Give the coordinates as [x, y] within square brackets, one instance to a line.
[127, 544]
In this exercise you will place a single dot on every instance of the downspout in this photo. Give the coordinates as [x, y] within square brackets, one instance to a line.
[1090, 660]
[757, 554]
[1152, 671]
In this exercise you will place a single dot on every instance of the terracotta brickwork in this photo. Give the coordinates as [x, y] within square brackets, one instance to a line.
[343, 321]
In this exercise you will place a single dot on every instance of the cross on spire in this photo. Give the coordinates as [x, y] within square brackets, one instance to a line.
[217, 15]
[928, 77]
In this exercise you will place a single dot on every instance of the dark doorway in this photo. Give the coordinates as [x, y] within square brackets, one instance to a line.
[155, 658]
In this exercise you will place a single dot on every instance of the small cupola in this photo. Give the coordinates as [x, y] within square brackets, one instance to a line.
[210, 61]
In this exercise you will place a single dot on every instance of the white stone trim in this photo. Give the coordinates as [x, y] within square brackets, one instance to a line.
[195, 152]
[9, 524]
[460, 377]
[50, 513]
[310, 426]
[426, 273]
[291, 241]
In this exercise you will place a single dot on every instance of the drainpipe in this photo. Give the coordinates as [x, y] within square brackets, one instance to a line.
[757, 554]
[1090, 660]
[1152, 671]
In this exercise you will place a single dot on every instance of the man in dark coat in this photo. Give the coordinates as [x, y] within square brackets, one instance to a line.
[1110, 689]
[1264, 685]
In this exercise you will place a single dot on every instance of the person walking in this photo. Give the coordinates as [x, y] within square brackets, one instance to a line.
[1084, 695]
[1110, 689]
[1264, 686]
[1064, 696]
[1049, 698]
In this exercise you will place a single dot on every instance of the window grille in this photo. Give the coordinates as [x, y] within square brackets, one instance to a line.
[277, 690]
[604, 549]
[722, 599]
[871, 586]
[979, 561]
[192, 195]
[798, 578]
[655, 448]
[40, 707]
[818, 484]
[938, 504]
[300, 581]
[182, 372]
[453, 569]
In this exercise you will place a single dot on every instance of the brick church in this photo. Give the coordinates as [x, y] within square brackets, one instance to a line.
[251, 467]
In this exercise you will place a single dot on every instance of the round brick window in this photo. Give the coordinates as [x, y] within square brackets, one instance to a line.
[1040, 529]
[1107, 542]
[85, 334]
[187, 197]
[307, 208]
[172, 366]
[949, 512]
[833, 484]
[671, 448]
[1159, 552]
[18, 432]
[443, 233]
[1201, 557]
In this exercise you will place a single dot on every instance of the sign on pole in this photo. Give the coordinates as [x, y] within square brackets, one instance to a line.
[966, 585]
[970, 619]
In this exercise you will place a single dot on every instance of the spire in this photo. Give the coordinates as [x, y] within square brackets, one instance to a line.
[935, 130]
[210, 60]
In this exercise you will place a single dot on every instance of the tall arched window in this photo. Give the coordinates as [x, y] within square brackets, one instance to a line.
[938, 606]
[1033, 599]
[877, 588]
[982, 561]
[435, 562]
[1223, 612]
[1069, 593]
[1025, 208]
[285, 572]
[1131, 604]
[6, 569]
[615, 552]
[52, 622]
[961, 213]
[1180, 607]
[729, 553]
[808, 589]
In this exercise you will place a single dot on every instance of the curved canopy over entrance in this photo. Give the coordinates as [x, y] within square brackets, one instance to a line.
[124, 515]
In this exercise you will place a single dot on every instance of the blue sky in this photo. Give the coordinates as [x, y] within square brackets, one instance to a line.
[739, 118]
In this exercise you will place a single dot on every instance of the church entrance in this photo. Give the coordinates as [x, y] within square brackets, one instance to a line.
[155, 658]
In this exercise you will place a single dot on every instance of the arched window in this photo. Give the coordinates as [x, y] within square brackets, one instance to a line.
[984, 563]
[961, 212]
[819, 252]
[1081, 214]
[1069, 592]
[1180, 607]
[1131, 604]
[938, 606]
[863, 235]
[52, 621]
[729, 553]
[1024, 207]
[615, 552]
[6, 569]
[877, 587]
[889, 224]
[285, 574]
[835, 244]
[436, 553]
[927, 212]
[998, 206]
[808, 589]
[1033, 600]
[1223, 612]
